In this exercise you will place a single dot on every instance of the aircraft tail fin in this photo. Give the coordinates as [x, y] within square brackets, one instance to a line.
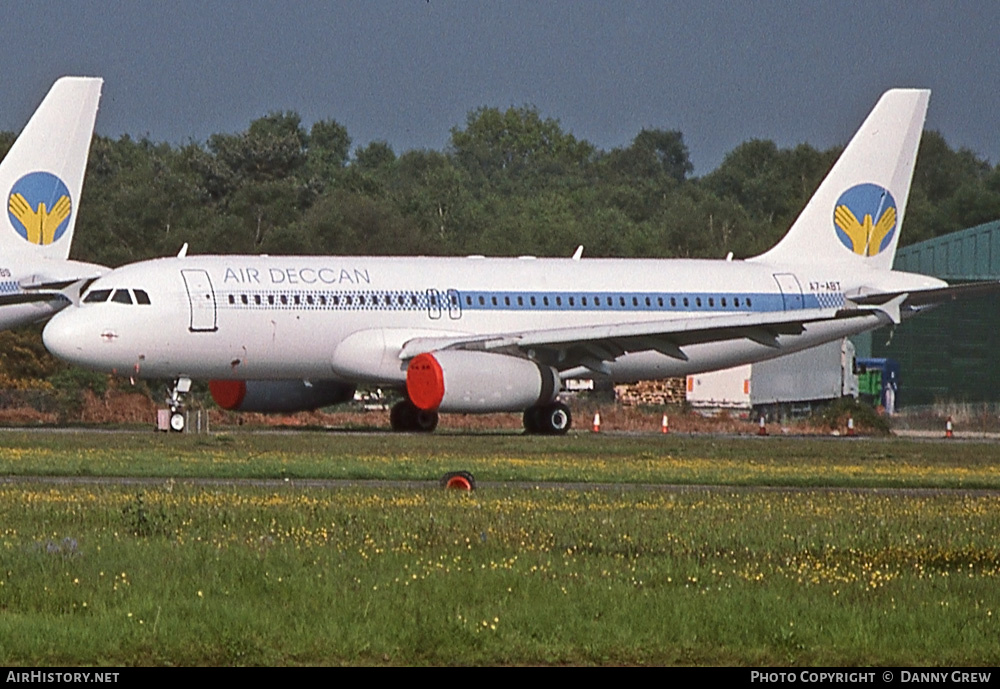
[41, 177]
[856, 214]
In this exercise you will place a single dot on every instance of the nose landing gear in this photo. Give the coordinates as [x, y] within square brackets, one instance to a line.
[175, 401]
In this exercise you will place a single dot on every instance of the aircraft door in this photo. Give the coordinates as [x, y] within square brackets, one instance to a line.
[201, 298]
[454, 305]
[433, 304]
[791, 291]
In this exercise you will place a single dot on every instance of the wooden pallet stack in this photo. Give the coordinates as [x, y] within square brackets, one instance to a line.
[651, 392]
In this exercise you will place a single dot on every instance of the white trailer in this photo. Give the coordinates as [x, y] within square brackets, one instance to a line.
[794, 383]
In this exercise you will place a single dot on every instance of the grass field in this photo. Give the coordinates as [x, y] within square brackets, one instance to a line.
[182, 574]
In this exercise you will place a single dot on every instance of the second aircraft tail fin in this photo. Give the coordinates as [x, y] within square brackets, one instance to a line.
[856, 213]
[41, 177]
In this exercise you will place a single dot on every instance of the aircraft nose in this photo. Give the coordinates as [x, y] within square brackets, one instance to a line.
[65, 336]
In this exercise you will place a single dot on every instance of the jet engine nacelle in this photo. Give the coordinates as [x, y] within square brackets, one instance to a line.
[278, 395]
[478, 382]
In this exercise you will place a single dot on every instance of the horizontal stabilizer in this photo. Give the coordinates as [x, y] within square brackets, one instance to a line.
[918, 299]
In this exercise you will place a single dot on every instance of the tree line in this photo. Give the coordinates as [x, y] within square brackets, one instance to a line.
[509, 182]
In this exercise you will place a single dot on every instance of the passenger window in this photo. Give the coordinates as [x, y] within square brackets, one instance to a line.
[121, 296]
[141, 297]
[256, 298]
[243, 298]
[232, 299]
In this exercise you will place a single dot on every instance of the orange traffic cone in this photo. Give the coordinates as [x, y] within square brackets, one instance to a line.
[850, 425]
[597, 422]
[948, 430]
[763, 429]
[665, 425]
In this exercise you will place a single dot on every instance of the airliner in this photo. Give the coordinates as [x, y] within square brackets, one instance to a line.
[476, 334]
[41, 178]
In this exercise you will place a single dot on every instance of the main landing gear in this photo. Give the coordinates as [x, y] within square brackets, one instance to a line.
[548, 419]
[405, 416]
[175, 400]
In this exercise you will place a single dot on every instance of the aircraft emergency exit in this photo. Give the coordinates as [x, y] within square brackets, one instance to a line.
[500, 334]
[41, 178]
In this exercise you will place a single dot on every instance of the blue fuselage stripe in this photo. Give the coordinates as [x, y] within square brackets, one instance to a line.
[483, 300]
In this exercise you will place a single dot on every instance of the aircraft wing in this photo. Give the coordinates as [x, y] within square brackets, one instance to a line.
[594, 346]
[38, 289]
[33, 297]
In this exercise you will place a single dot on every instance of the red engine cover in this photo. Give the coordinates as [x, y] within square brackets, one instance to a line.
[425, 382]
[228, 394]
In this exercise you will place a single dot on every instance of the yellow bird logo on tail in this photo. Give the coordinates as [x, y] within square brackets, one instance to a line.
[865, 238]
[39, 208]
[39, 224]
[872, 234]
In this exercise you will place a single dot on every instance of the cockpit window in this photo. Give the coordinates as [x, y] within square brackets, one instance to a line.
[121, 296]
[141, 297]
[97, 296]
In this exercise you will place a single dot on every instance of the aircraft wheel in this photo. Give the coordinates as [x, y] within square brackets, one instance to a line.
[406, 417]
[177, 421]
[424, 421]
[531, 420]
[458, 480]
[401, 416]
[556, 419]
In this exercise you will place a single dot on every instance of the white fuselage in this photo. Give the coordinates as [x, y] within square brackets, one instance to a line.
[347, 318]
